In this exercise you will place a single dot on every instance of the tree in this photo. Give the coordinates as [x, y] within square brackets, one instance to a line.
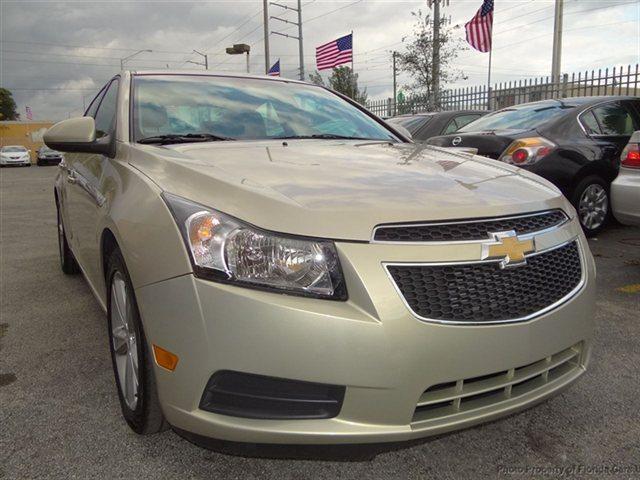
[344, 81]
[417, 60]
[7, 106]
[315, 77]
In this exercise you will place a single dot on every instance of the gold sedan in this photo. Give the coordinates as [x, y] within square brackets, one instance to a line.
[278, 265]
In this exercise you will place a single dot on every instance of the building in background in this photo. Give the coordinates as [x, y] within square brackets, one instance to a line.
[27, 134]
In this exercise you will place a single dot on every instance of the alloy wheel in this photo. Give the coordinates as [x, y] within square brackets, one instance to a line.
[593, 206]
[123, 337]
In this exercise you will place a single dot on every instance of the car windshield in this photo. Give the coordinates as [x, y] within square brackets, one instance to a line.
[244, 109]
[13, 149]
[412, 123]
[518, 118]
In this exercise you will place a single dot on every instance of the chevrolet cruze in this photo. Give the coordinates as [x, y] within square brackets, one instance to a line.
[278, 265]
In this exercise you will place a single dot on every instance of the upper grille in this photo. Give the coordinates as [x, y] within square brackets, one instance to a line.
[482, 292]
[469, 230]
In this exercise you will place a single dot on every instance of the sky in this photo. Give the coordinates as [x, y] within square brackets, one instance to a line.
[55, 56]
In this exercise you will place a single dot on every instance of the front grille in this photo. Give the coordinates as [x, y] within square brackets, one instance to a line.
[469, 230]
[483, 292]
[444, 399]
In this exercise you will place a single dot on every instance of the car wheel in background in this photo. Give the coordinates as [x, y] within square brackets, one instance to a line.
[591, 200]
[67, 260]
[131, 358]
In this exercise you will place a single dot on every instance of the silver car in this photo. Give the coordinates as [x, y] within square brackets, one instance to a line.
[625, 189]
[278, 265]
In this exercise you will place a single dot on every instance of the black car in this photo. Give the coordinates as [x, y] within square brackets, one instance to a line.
[573, 142]
[47, 156]
[423, 126]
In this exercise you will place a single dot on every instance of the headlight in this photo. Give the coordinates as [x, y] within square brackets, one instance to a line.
[225, 249]
[527, 151]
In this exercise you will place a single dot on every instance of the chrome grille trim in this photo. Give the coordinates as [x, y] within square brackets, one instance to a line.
[538, 313]
[468, 221]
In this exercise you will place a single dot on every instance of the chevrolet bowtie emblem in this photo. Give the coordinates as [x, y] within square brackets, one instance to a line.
[508, 247]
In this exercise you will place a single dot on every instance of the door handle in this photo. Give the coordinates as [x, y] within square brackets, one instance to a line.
[71, 177]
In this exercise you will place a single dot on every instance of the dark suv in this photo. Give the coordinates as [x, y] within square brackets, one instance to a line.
[573, 142]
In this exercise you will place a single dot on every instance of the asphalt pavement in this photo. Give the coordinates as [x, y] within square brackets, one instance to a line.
[60, 417]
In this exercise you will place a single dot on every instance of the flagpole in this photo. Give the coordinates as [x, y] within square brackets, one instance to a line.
[489, 81]
[353, 72]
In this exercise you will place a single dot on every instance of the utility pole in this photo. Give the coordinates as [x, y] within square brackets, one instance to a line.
[265, 13]
[395, 85]
[300, 44]
[435, 62]
[299, 25]
[556, 60]
[204, 64]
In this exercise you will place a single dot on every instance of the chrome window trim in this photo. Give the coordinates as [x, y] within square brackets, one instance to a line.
[524, 236]
[532, 316]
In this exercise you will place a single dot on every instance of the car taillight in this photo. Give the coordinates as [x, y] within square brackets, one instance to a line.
[526, 151]
[631, 156]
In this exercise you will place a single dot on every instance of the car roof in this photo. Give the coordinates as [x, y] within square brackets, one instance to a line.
[428, 114]
[574, 101]
[213, 73]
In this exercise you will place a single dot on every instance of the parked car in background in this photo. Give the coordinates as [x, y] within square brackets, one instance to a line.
[15, 155]
[47, 156]
[423, 126]
[278, 265]
[625, 189]
[575, 143]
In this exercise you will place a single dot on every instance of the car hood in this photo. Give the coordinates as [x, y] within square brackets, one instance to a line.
[342, 190]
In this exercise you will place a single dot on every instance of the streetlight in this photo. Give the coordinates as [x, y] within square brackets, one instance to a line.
[204, 64]
[122, 60]
[239, 49]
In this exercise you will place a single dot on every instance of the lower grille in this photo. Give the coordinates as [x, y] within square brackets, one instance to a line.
[472, 393]
[484, 293]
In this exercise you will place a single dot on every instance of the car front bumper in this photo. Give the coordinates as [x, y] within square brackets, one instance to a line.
[372, 344]
[9, 161]
[625, 196]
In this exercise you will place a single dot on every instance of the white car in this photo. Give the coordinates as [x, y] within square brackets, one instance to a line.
[625, 189]
[14, 155]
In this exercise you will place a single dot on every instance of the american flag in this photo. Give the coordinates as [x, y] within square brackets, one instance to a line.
[29, 113]
[274, 71]
[335, 52]
[479, 27]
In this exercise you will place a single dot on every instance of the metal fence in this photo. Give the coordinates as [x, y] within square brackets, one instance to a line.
[608, 81]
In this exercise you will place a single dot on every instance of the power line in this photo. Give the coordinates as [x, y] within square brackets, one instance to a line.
[90, 48]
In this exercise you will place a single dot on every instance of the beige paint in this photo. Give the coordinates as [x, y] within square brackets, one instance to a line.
[371, 343]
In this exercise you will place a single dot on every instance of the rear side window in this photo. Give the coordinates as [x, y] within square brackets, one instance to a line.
[590, 123]
[413, 124]
[106, 114]
[614, 120]
[459, 122]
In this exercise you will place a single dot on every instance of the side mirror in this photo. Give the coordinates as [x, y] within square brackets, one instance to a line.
[78, 135]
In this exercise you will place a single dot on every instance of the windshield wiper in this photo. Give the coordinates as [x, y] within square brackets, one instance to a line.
[184, 138]
[323, 136]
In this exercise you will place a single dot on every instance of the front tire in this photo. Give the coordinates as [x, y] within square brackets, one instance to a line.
[591, 200]
[68, 262]
[130, 355]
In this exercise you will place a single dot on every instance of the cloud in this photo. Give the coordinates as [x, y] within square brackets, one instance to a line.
[54, 54]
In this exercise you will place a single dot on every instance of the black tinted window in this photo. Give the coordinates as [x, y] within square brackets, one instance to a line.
[590, 123]
[413, 124]
[614, 119]
[525, 117]
[107, 111]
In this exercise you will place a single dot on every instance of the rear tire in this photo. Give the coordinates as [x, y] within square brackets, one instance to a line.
[68, 262]
[591, 200]
[131, 357]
